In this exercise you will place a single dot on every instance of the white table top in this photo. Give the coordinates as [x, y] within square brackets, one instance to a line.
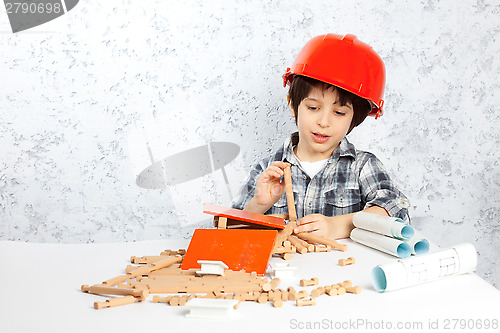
[41, 293]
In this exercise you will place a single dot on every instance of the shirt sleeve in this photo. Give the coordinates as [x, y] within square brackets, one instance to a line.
[248, 189]
[378, 189]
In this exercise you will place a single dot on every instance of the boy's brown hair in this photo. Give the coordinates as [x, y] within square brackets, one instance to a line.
[301, 86]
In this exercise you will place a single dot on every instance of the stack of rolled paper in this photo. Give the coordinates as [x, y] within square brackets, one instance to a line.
[387, 234]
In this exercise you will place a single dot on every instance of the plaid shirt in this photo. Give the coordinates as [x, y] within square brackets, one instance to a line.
[351, 180]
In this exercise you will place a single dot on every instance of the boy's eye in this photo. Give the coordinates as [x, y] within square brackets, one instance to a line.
[312, 108]
[339, 113]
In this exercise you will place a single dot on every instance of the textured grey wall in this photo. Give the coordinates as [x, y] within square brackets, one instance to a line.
[80, 96]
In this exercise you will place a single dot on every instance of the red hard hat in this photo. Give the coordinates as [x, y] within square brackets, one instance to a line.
[345, 62]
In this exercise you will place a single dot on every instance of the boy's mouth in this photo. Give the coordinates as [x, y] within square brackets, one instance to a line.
[318, 137]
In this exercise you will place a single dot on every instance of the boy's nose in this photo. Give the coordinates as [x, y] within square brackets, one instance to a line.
[323, 119]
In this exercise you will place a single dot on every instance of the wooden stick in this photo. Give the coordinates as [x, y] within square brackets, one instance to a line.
[195, 287]
[300, 248]
[117, 280]
[146, 270]
[115, 302]
[322, 240]
[308, 246]
[166, 262]
[174, 271]
[104, 290]
[289, 194]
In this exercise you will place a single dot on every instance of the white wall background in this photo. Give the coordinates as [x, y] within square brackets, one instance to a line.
[75, 90]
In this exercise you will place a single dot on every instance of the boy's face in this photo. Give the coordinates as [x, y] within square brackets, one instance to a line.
[322, 124]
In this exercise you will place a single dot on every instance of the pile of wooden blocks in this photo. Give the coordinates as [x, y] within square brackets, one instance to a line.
[162, 275]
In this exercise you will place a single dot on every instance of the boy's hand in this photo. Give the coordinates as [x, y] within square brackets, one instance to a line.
[333, 227]
[268, 189]
[317, 224]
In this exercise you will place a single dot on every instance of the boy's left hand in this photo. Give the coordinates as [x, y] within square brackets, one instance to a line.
[333, 227]
[317, 224]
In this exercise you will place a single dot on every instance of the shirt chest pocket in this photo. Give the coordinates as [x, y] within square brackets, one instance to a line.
[342, 201]
[281, 206]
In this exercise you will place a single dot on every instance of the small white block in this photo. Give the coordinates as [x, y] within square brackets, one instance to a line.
[283, 270]
[211, 267]
[210, 308]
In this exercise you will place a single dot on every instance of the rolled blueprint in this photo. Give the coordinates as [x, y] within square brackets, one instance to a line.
[382, 243]
[459, 259]
[418, 244]
[385, 225]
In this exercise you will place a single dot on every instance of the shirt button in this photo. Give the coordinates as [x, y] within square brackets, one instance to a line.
[310, 204]
[304, 176]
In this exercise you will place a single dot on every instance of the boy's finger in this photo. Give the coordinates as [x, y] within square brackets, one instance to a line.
[307, 219]
[308, 227]
[281, 164]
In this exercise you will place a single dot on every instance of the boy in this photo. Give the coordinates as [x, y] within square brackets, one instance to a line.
[335, 82]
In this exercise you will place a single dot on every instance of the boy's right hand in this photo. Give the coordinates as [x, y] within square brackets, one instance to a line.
[269, 188]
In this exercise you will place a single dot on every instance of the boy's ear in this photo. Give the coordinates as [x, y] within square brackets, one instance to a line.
[290, 105]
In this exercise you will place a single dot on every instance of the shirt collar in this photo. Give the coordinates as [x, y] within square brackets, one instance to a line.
[345, 149]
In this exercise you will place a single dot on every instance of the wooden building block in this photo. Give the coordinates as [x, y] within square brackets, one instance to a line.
[302, 294]
[159, 299]
[283, 234]
[331, 291]
[105, 290]
[300, 248]
[115, 302]
[322, 240]
[348, 261]
[319, 248]
[346, 283]
[271, 285]
[353, 290]
[221, 222]
[283, 249]
[308, 246]
[289, 194]
[303, 302]
[170, 252]
[318, 292]
[312, 282]
[263, 298]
